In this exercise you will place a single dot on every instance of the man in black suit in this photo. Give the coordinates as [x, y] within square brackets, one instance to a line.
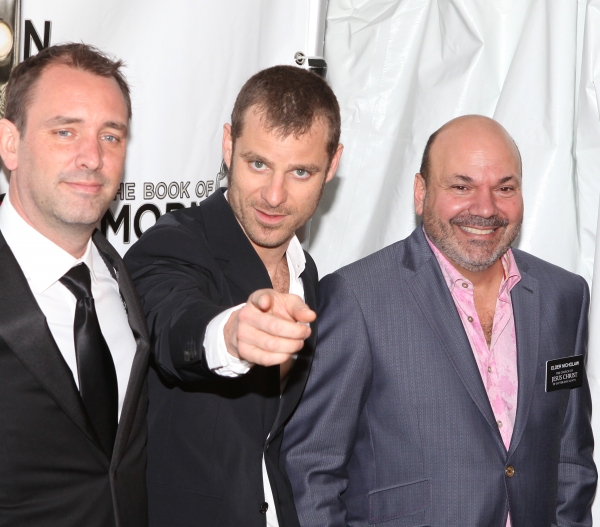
[228, 293]
[73, 340]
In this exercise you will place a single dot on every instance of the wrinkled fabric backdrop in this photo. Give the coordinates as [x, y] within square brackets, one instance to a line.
[400, 68]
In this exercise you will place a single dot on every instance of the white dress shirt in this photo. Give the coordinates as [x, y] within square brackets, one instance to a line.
[220, 361]
[43, 263]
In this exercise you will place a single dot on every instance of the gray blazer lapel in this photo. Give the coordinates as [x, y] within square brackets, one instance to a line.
[438, 307]
[137, 322]
[24, 328]
[526, 309]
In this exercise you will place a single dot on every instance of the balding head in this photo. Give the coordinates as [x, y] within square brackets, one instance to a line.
[471, 132]
[469, 192]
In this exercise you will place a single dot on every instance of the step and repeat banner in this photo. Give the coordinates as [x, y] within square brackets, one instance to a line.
[186, 62]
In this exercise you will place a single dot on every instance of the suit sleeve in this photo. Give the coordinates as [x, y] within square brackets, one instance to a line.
[181, 290]
[319, 440]
[577, 474]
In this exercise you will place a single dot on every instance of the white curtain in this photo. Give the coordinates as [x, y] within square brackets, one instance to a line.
[401, 68]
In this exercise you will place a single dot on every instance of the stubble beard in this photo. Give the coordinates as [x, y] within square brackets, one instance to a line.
[78, 210]
[269, 237]
[472, 255]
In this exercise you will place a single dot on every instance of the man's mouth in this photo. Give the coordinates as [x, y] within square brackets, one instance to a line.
[473, 230]
[87, 187]
[269, 218]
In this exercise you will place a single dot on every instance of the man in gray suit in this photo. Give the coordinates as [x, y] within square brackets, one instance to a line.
[448, 385]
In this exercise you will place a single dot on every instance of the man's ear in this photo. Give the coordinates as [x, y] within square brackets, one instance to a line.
[227, 145]
[335, 161]
[420, 191]
[9, 144]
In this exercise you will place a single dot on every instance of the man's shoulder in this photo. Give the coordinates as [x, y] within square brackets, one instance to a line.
[404, 256]
[180, 232]
[545, 272]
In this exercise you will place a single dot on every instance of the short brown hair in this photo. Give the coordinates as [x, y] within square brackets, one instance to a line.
[25, 76]
[290, 99]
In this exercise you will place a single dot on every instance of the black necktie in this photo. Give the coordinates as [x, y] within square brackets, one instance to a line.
[95, 367]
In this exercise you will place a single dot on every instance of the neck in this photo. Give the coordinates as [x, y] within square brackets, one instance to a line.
[71, 238]
[271, 257]
[491, 275]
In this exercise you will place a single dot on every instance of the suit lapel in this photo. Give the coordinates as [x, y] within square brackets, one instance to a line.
[137, 322]
[435, 301]
[299, 372]
[526, 309]
[24, 328]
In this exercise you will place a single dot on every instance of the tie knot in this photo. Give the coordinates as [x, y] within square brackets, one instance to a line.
[78, 281]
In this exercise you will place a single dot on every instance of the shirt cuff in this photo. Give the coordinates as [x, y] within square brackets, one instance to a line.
[218, 358]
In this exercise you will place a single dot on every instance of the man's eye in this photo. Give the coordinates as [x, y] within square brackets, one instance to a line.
[257, 165]
[63, 133]
[111, 138]
[300, 172]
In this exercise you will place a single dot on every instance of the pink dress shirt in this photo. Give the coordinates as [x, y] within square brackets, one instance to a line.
[497, 362]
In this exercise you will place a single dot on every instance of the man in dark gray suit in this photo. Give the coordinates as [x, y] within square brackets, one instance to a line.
[448, 386]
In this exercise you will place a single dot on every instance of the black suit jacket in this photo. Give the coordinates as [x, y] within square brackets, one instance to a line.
[53, 470]
[207, 434]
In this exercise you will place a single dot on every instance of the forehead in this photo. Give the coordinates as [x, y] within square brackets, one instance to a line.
[256, 132]
[475, 151]
[64, 90]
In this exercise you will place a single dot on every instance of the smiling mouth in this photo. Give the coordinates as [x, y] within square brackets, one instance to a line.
[473, 230]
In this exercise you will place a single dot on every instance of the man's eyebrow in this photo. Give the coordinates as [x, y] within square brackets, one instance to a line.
[507, 179]
[62, 120]
[307, 168]
[463, 178]
[252, 156]
[117, 126]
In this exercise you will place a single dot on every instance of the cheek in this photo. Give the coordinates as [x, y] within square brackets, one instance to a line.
[447, 208]
[512, 210]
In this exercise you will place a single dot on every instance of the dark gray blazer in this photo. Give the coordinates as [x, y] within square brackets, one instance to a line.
[53, 470]
[395, 427]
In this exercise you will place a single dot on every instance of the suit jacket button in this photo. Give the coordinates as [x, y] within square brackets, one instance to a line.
[510, 471]
[264, 507]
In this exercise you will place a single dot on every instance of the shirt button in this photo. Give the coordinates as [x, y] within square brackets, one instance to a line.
[499, 424]
[470, 319]
[489, 369]
[465, 285]
[510, 471]
[264, 507]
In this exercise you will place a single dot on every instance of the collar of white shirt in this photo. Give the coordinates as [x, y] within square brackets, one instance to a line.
[42, 261]
[295, 256]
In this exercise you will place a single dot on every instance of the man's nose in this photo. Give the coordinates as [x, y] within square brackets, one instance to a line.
[275, 192]
[89, 154]
[483, 204]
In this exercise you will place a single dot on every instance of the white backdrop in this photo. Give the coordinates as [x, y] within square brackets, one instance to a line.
[403, 68]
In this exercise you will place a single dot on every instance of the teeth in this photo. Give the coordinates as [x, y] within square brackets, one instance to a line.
[477, 231]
